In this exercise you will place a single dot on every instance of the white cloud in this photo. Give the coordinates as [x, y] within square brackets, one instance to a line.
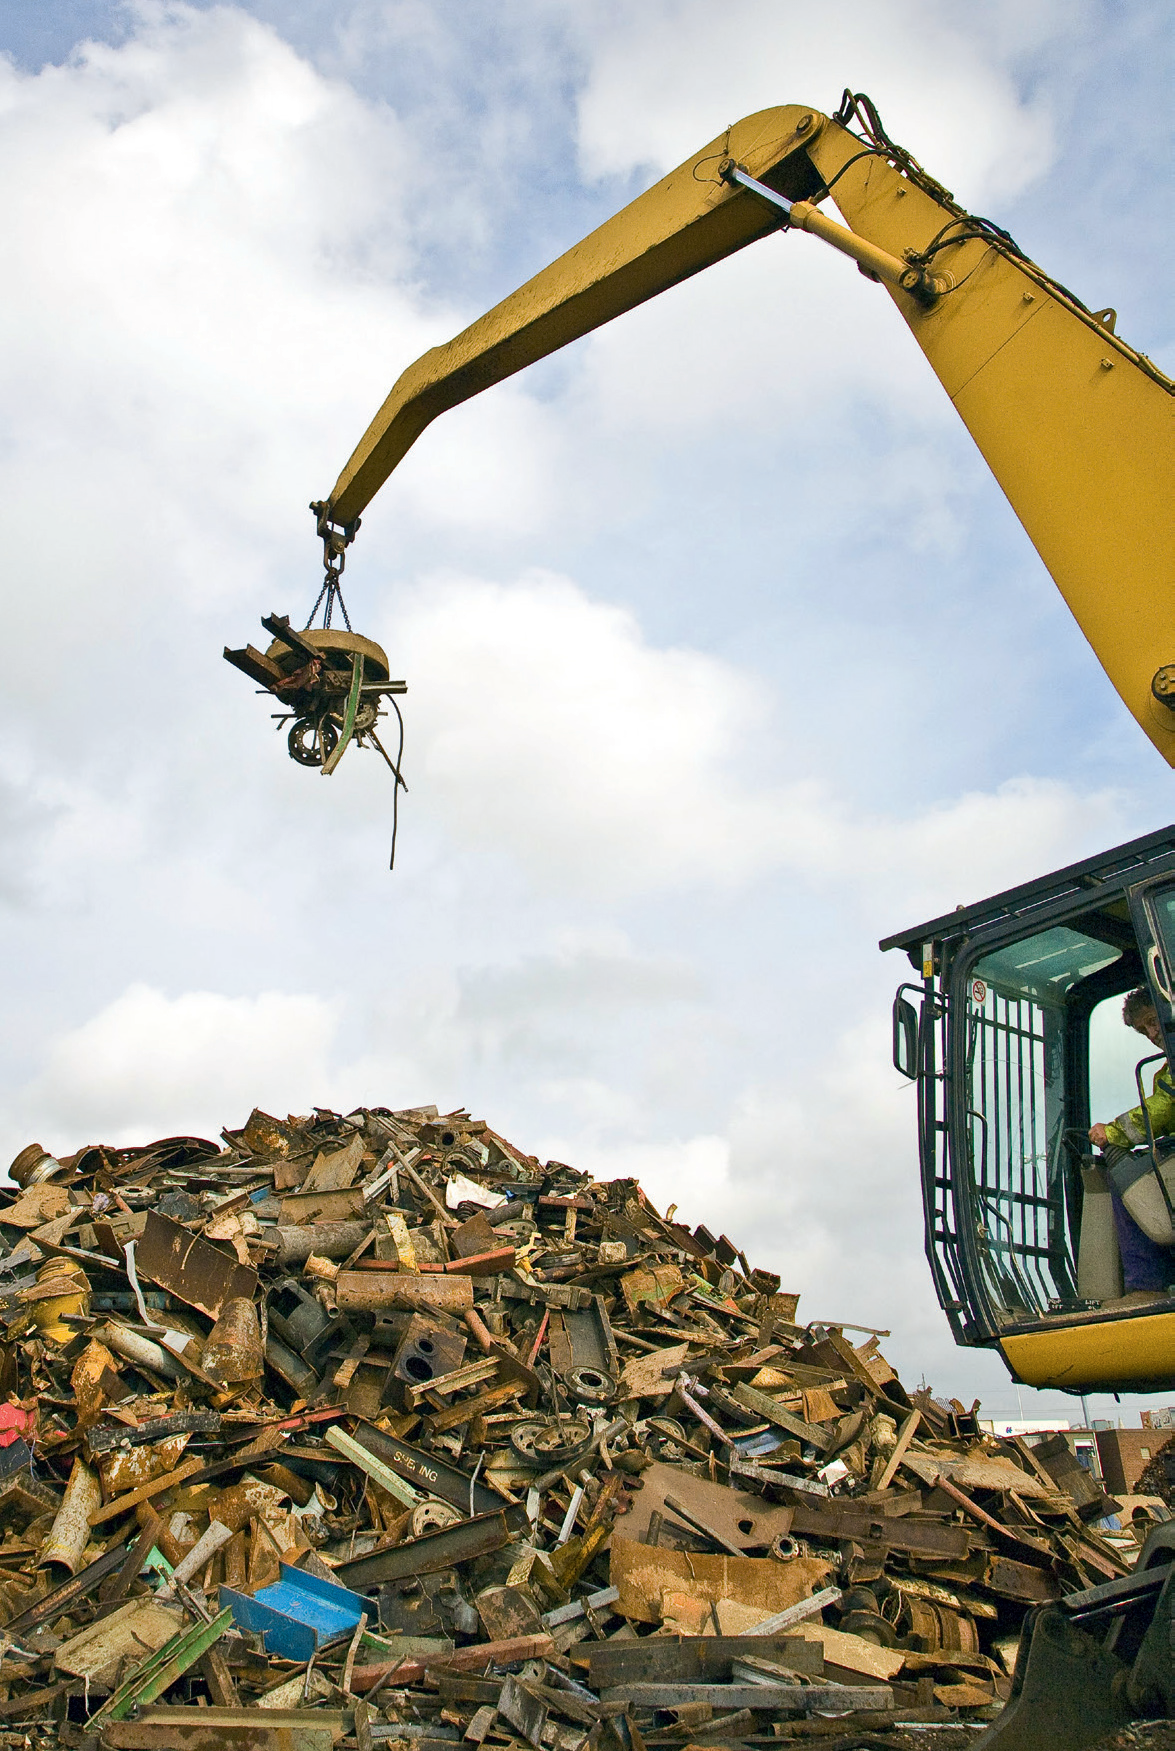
[547, 729]
[210, 288]
[199, 222]
[981, 842]
[785, 345]
[588, 976]
[668, 77]
[148, 1064]
[782, 352]
[691, 1173]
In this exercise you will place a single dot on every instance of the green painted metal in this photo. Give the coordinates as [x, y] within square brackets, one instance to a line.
[162, 1668]
[348, 729]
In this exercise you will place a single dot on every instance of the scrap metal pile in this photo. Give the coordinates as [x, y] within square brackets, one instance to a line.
[1158, 1476]
[371, 1429]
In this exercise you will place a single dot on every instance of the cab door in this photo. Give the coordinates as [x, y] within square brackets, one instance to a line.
[1152, 912]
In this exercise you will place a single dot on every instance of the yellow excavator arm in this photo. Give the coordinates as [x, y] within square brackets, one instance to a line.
[1075, 425]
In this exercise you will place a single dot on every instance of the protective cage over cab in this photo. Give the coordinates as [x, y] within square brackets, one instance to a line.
[1015, 1038]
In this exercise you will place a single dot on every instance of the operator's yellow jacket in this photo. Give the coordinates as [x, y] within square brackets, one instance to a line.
[1129, 1129]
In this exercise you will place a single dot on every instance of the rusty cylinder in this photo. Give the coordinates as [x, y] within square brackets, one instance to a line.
[70, 1532]
[233, 1350]
[330, 1240]
[33, 1166]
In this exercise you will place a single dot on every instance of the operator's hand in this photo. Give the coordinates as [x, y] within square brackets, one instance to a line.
[1097, 1136]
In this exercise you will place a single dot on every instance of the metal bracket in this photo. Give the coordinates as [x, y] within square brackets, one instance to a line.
[731, 172]
[335, 536]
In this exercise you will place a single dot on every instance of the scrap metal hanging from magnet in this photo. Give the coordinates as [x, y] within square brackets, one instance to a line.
[330, 681]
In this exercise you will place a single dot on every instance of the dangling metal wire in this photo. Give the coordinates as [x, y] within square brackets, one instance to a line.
[395, 766]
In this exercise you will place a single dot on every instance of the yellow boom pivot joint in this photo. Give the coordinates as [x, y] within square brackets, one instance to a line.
[876, 264]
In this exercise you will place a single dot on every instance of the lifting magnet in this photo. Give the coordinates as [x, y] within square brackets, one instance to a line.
[329, 682]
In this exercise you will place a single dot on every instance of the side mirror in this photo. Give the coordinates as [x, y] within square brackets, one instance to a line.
[905, 1038]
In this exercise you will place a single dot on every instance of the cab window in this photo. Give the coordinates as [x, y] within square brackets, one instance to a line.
[1023, 1106]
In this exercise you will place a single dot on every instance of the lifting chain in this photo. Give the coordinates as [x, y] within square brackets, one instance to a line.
[336, 538]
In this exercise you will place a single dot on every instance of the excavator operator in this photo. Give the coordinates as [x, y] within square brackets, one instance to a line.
[1142, 1221]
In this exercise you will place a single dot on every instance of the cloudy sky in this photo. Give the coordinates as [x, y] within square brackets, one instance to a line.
[726, 657]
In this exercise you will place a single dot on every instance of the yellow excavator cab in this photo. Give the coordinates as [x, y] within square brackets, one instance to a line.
[1014, 1036]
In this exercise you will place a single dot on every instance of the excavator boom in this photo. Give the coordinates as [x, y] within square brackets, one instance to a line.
[1075, 425]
